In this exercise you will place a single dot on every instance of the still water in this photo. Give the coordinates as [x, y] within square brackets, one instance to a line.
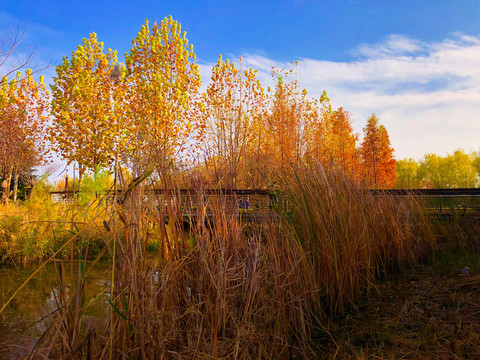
[21, 322]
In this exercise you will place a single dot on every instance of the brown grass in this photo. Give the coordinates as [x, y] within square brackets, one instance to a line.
[227, 289]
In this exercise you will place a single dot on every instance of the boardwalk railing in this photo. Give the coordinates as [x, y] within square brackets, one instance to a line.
[466, 200]
[444, 201]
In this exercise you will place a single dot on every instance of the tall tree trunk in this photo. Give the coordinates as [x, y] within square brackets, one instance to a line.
[15, 185]
[6, 185]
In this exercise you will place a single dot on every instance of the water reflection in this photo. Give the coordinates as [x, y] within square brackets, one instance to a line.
[21, 322]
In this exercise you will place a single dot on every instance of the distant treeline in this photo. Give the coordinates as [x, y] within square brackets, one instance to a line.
[457, 170]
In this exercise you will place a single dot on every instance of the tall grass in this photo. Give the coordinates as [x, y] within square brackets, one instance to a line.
[350, 235]
[221, 288]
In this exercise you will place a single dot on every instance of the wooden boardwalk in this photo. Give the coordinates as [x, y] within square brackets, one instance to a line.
[251, 203]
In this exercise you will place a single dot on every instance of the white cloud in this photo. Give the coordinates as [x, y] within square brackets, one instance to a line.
[393, 45]
[426, 94]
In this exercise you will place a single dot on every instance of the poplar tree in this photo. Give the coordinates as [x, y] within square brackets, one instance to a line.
[163, 84]
[318, 115]
[84, 115]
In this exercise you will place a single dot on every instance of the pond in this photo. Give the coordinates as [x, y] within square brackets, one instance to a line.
[21, 322]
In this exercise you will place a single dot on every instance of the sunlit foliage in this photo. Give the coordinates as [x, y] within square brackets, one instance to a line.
[457, 170]
[150, 114]
[23, 116]
[83, 115]
[234, 108]
[163, 84]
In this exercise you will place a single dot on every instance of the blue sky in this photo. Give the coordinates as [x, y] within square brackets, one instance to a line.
[282, 30]
[416, 64]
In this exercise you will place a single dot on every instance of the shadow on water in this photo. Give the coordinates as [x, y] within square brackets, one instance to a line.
[25, 318]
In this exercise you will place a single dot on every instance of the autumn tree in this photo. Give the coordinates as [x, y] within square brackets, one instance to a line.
[431, 172]
[329, 137]
[84, 114]
[343, 151]
[285, 122]
[234, 103]
[163, 84]
[476, 162]
[377, 155]
[23, 115]
[461, 170]
[318, 124]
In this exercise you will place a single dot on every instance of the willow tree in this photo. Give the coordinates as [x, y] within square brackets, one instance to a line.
[84, 115]
[163, 84]
[23, 117]
[455, 170]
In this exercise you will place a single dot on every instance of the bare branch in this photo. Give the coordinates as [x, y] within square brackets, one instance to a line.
[12, 60]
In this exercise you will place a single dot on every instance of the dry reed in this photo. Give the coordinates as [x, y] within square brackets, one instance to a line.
[222, 288]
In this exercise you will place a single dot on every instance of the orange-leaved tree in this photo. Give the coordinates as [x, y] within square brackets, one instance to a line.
[163, 84]
[84, 115]
[286, 119]
[377, 155]
[344, 152]
[330, 138]
[23, 116]
[318, 113]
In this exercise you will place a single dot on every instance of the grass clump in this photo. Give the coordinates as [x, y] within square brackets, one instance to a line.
[351, 235]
